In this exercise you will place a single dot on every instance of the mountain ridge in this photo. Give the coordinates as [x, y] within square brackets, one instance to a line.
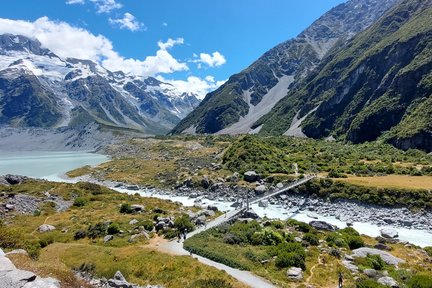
[40, 89]
[231, 103]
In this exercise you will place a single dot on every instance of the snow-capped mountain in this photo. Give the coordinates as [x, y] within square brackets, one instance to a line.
[40, 89]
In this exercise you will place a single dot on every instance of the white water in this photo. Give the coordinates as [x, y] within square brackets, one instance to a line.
[52, 166]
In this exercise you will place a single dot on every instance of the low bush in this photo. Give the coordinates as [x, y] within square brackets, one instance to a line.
[311, 239]
[125, 208]
[420, 281]
[183, 223]
[113, 229]
[80, 202]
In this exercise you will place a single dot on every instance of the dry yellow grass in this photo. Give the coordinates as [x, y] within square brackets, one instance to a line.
[392, 181]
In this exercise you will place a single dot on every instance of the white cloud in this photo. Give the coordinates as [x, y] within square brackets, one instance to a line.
[75, 1]
[128, 22]
[214, 60]
[170, 43]
[80, 43]
[195, 85]
[165, 24]
[106, 6]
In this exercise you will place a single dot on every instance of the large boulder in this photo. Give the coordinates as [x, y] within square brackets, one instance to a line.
[321, 225]
[136, 208]
[388, 258]
[46, 228]
[295, 273]
[250, 214]
[43, 283]
[201, 220]
[261, 189]
[388, 281]
[251, 176]
[371, 273]
[389, 233]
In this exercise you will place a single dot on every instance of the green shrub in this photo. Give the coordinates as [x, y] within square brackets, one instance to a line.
[80, 202]
[420, 281]
[90, 187]
[211, 283]
[266, 237]
[148, 225]
[183, 223]
[170, 233]
[113, 229]
[125, 208]
[289, 255]
[311, 238]
[80, 234]
[428, 251]
[97, 230]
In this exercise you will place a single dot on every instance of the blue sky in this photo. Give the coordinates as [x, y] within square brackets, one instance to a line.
[125, 33]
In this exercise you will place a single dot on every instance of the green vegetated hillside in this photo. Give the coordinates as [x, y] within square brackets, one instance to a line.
[295, 58]
[378, 85]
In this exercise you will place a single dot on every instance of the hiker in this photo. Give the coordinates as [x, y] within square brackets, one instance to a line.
[179, 237]
[340, 280]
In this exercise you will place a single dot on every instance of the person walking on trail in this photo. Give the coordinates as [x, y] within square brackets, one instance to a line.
[340, 280]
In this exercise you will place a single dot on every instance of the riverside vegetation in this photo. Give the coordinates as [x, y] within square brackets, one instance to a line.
[269, 248]
[84, 227]
[266, 248]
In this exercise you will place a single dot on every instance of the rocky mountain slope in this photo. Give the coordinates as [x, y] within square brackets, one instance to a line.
[39, 89]
[378, 86]
[251, 94]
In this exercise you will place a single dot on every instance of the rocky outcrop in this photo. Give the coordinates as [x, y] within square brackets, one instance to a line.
[321, 225]
[388, 258]
[11, 277]
[388, 281]
[12, 179]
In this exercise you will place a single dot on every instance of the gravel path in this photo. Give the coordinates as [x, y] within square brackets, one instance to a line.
[176, 248]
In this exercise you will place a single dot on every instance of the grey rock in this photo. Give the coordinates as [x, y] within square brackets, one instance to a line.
[261, 189]
[295, 273]
[136, 208]
[389, 233]
[6, 264]
[108, 238]
[251, 176]
[133, 222]
[388, 281]
[212, 208]
[382, 246]
[388, 258]
[201, 220]
[46, 228]
[17, 251]
[279, 185]
[321, 225]
[350, 266]
[208, 213]
[371, 273]
[43, 283]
